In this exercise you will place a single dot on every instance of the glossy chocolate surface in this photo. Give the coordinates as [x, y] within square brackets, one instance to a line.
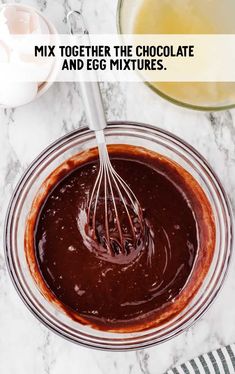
[155, 279]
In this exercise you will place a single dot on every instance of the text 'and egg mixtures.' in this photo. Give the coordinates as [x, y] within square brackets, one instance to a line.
[131, 291]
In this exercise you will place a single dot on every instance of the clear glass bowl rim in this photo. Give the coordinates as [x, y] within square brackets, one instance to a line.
[150, 338]
[46, 85]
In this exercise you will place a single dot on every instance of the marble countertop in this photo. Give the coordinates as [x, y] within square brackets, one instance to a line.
[26, 346]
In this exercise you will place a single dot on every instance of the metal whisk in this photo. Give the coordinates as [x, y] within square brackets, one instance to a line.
[114, 215]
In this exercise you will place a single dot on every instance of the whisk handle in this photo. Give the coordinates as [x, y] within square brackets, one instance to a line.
[93, 105]
[90, 91]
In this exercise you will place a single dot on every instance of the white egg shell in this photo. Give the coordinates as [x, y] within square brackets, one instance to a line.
[3, 29]
[3, 23]
[18, 21]
[4, 53]
[17, 24]
[3, 18]
[22, 25]
[9, 16]
[28, 23]
[14, 94]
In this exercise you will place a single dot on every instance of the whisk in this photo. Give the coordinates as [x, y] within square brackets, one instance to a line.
[114, 214]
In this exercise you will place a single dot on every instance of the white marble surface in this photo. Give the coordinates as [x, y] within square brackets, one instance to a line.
[26, 346]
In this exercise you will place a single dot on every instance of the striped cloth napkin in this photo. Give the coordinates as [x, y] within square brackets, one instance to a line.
[221, 361]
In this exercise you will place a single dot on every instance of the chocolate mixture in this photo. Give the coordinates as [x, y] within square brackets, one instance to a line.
[157, 280]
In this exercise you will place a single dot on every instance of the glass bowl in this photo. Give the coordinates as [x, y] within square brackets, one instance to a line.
[44, 86]
[151, 138]
[126, 13]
